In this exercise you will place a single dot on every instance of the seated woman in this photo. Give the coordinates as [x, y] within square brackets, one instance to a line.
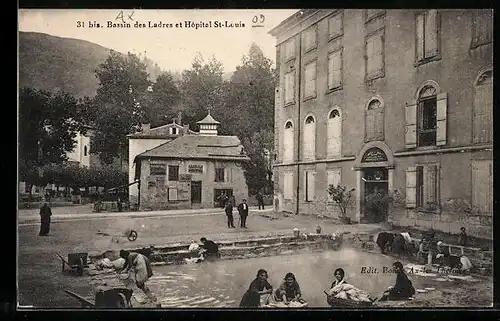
[339, 278]
[289, 290]
[403, 289]
[258, 287]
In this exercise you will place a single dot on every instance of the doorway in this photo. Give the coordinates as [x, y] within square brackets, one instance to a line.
[375, 196]
[195, 192]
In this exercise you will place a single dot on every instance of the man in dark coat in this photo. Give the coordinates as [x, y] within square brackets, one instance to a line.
[209, 247]
[229, 214]
[260, 199]
[398, 244]
[243, 210]
[45, 214]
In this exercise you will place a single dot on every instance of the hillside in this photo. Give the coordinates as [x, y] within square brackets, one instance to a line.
[51, 63]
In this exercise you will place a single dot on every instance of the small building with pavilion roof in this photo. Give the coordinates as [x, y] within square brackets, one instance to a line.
[191, 170]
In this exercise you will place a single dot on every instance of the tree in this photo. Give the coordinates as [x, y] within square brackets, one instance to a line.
[250, 99]
[203, 88]
[123, 84]
[161, 102]
[342, 198]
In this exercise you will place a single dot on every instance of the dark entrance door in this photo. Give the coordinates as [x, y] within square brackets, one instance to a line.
[376, 188]
[195, 192]
[218, 192]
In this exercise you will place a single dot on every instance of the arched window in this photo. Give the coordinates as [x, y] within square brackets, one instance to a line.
[374, 120]
[483, 107]
[85, 150]
[288, 145]
[309, 139]
[427, 116]
[334, 142]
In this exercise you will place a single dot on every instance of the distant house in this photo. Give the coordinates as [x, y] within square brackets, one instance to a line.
[147, 139]
[189, 170]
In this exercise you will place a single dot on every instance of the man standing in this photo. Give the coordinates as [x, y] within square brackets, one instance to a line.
[229, 214]
[243, 210]
[260, 199]
[45, 214]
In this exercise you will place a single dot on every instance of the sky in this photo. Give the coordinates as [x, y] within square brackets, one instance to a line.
[173, 47]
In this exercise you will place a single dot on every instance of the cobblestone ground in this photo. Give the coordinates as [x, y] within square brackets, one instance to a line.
[42, 284]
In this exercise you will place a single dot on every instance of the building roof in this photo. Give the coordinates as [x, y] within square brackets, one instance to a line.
[208, 120]
[199, 147]
[290, 21]
[160, 132]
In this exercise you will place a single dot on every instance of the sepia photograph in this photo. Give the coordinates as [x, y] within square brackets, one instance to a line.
[259, 159]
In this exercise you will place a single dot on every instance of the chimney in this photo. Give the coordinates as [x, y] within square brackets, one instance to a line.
[145, 127]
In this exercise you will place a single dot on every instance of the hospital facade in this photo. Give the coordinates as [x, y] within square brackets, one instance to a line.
[397, 102]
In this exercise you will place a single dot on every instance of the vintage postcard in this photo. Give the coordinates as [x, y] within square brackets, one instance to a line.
[263, 159]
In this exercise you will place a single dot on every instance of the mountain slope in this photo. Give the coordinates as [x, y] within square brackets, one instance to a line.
[52, 63]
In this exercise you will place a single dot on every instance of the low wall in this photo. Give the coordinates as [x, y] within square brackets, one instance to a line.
[480, 226]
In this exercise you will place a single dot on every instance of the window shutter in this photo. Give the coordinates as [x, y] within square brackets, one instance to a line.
[336, 177]
[309, 141]
[369, 56]
[411, 125]
[378, 48]
[288, 185]
[442, 103]
[310, 186]
[379, 123]
[420, 37]
[288, 146]
[369, 125]
[482, 183]
[431, 44]
[483, 110]
[411, 187]
[331, 66]
[334, 137]
[430, 184]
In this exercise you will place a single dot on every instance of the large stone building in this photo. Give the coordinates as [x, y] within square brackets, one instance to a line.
[191, 170]
[394, 101]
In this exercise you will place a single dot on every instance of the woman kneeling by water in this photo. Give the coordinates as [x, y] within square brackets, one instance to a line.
[289, 290]
[403, 289]
[259, 287]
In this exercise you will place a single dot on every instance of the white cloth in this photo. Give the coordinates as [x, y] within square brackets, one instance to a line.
[466, 265]
[407, 237]
[141, 270]
[194, 247]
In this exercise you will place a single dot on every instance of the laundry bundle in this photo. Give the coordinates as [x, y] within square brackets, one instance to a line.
[349, 292]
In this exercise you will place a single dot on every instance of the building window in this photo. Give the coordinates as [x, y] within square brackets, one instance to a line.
[335, 70]
[289, 49]
[85, 150]
[422, 187]
[309, 38]
[310, 80]
[482, 186]
[333, 178]
[427, 46]
[288, 185]
[309, 143]
[335, 26]
[482, 27]
[309, 185]
[375, 55]
[288, 143]
[334, 134]
[157, 169]
[173, 131]
[374, 120]
[173, 173]
[219, 175]
[289, 87]
[427, 112]
[373, 13]
[483, 108]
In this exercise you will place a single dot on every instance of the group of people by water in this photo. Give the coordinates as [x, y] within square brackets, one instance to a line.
[428, 250]
[260, 292]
